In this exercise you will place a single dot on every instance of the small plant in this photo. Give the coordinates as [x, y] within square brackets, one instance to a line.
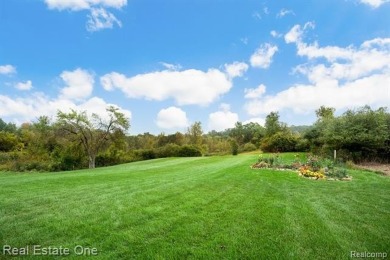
[314, 162]
[327, 163]
[338, 173]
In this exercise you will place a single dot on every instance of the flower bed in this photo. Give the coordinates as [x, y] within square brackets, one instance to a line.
[314, 167]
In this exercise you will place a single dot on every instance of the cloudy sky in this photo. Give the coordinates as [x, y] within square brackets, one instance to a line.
[167, 64]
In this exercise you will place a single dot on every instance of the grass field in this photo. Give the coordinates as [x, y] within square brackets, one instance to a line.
[196, 208]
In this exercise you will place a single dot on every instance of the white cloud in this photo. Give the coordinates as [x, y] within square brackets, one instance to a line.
[301, 99]
[374, 3]
[222, 119]
[74, 96]
[171, 118]
[347, 63]
[236, 69]
[331, 53]
[186, 87]
[79, 84]
[77, 5]
[255, 92]
[170, 66]
[28, 109]
[283, 12]
[24, 85]
[377, 42]
[100, 19]
[275, 34]
[296, 32]
[7, 69]
[262, 57]
[98, 106]
[340, 77]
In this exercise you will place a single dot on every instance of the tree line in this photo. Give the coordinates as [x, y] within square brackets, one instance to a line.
[76, 140]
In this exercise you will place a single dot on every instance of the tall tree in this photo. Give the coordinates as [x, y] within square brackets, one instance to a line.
[195, 134]
[7, 127]
[92, 132]
[272, 124]
[237, 133]
[324, 113]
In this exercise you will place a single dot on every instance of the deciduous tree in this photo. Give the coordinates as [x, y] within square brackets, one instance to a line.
[92, 132]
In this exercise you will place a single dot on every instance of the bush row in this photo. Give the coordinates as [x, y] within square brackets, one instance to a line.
[22, 162]
[169, 150]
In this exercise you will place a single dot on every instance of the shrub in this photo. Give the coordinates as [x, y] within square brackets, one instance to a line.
[147, 154]
[234, 147]
[249, 147]
[279, 142]
[189, 151]
[302, 145]
[168, 150]
[107, 159]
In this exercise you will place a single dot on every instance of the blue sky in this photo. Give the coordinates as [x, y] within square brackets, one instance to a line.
[167, 64]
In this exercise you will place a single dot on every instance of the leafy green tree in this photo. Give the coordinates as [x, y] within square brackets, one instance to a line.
[8, 141]
[44, 141]
[195, 134]
[217, 143]
[177, 138]
[325, 113]
[147, 141]
[93, 133]
[7, 127]
[253, 132]
[361, 132]
[273, 125]
[238, 133]
[248, 133]
[315, 133]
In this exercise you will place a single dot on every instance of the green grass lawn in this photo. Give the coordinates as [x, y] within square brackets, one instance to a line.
[196, 208]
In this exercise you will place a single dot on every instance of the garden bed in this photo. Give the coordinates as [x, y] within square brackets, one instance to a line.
[313, 167]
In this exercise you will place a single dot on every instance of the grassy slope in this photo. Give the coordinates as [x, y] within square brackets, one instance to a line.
[215, 207]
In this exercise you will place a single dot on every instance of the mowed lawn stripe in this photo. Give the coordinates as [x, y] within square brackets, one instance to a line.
[209, 207]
